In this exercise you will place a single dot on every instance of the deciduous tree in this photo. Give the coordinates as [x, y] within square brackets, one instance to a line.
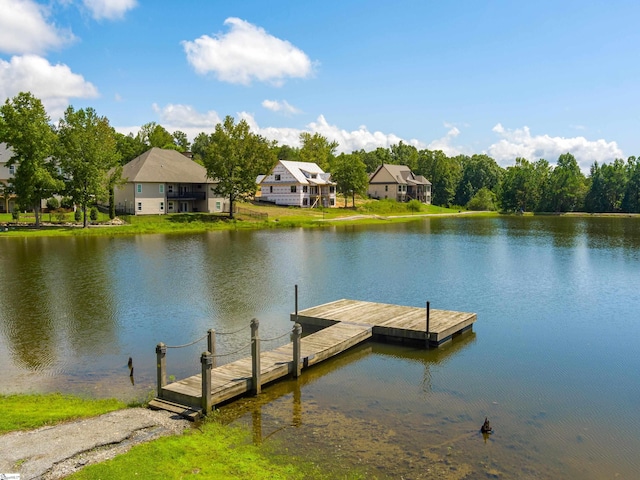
[350, 174]
[25, 127]
[234, 157]
[88, 156]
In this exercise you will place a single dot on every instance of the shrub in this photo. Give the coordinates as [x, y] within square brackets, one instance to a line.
[414, 205]
[484, 199]
[67, 203]
[53, 204]
[60, 215]
[77, 215]
[93, 214]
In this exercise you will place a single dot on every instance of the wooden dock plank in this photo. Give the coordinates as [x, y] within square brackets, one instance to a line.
[345, 323]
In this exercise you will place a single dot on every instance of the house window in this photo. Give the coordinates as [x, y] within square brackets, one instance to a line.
[12, 170]
[170, 188]
[333, 202]
[271, 189]
[277, 177]
[293, 189]
[171, 206]
[305, 201]
[332, 189]
[139, 188]
[304, 188]
[139, 206]
[161, 188]
[386, 189]
[162, 206]
[218, 206]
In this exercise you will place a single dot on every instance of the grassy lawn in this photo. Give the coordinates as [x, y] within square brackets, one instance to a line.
[251, 216]
[25, 412]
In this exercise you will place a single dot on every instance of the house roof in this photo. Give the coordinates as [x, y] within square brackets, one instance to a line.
[164, 166]
[402, 174]
[306, 173]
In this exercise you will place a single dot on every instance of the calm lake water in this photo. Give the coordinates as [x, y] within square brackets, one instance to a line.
[553, 360]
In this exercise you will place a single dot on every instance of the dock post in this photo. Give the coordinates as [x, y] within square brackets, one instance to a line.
[255, 357]
[296, 335]
[206, 359]
[428, 312]
[211, 345]
[296, 303]
[161, 366]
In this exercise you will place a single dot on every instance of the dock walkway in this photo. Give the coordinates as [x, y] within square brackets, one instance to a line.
[343, 323]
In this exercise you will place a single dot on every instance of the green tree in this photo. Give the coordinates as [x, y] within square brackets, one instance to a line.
[521, 185]
[350, 174]
[153, 135]
[484, 199]
[478, 171]
[129, 147]
[375, 158]
[181, 141]
[235, 157]
[25, 127]
[88, 156]
[631, 200]
[403, 154]
[317, 149]
[199, 147]
[285, 152]
[443, 172]
[565, 189]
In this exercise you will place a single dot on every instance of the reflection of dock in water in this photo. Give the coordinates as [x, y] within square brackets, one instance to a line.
[344, 324]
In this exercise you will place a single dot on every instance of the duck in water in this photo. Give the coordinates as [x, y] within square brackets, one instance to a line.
[486, 427]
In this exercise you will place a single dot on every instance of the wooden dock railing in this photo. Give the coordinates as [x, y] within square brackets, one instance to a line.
[208, 359]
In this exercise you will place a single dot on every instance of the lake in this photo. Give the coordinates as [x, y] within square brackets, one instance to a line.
[553, 360]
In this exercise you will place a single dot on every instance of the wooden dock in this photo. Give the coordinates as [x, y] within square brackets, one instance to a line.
[343, 324]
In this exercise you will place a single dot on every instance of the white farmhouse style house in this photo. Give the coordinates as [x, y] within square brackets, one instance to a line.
[300, 184]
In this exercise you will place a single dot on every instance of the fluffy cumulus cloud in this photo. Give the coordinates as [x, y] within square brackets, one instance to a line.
[520, 143]
[445, 143]
[247, 53]
[280, 106]
[53, 84]
[109, 9]
[24, 28]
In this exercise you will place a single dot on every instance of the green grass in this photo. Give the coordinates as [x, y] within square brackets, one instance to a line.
[25, 412]
[212, 451]
[278, 217]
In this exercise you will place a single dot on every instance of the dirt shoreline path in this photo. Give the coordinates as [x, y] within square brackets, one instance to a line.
[57, 451]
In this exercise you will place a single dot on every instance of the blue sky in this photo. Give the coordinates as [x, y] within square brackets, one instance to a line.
[505, 78]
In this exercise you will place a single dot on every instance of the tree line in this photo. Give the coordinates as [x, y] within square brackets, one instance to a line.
[82, 157]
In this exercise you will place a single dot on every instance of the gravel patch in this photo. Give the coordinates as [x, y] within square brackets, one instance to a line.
[60, 450]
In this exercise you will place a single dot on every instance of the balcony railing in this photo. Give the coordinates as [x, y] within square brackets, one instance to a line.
[186, 195]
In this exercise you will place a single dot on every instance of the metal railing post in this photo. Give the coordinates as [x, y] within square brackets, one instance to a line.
[211, 345]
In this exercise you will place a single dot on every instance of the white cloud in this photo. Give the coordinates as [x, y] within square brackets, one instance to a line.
[186, 116]
[520, 143]
[53, 84]
[444, 143]
[109, 9]
[24, 28]
[247, 53]
[283, 106]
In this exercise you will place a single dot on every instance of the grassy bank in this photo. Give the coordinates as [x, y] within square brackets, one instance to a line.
[251, 216]
[211, 451]
[25, 412]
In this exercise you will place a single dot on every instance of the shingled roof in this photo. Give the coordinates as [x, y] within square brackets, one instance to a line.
[158, 165]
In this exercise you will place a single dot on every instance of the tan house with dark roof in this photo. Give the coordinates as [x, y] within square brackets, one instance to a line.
[164, 181]
[399, 183]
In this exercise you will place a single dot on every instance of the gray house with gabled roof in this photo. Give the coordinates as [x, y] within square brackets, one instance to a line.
[162, 181]
[399, 183]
